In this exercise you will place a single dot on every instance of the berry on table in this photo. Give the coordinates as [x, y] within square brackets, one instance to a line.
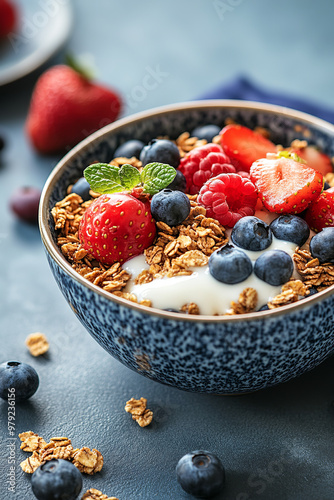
[201, 474]
[24, 203]
[162, 151]
[202, 163]
[285, 185]
[230, 265]
[170, 207]
[19, 379]
[251, 233]
[244, 146]
[207, 132]
[129, 149]
[290, 228]
[228, 198]
[55, 480]
[179, 183]
[320, 213]
[322, 245]
[274, 267]
[81, 188]
[117, 227]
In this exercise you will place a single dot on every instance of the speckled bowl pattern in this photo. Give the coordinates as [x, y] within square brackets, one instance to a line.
[210, 354]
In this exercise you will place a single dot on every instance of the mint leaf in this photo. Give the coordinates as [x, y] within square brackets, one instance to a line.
[129, 176]
[157, 176]
[104, 178]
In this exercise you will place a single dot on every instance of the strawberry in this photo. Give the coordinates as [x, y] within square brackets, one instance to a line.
[244, 146]
[116, 227]
[314, 159]
[66, 107]
[320, 213]
[8, 17]
[284, 185]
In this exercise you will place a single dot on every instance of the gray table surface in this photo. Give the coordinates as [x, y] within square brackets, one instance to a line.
[276, 444]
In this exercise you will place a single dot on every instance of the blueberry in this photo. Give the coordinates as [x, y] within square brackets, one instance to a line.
[82, 188]
[322, 245]
[170, 207]
[56, 480]
[179, 183]
[251, 233]
[201, 474]
[230, 265]
[162, 151]
[290, 228]
[207, 132]
[326, 186]
[274, 267]
[129, 149]
[17, 379]
[24, 203]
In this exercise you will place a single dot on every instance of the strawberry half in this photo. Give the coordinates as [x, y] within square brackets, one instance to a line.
[244, 146]
[320, 213]
[284, 185]
[117, 227]
[315, 159]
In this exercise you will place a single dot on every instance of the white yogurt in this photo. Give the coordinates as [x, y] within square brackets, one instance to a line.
[211, 296]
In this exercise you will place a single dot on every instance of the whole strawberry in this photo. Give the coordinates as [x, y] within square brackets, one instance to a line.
[66, 107]
[119, 225]
[8, 17]
[320, 213]
[116, 227]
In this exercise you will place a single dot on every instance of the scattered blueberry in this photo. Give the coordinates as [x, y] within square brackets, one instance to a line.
[170, 207]
[24, 203]
[274, 267]
[251, 233]
[290, 228]
[179, 183]
[264, 308]
[322, 245]
[82, 188]
[56, 480]
[162, 151]
[326, 186]
[19, 379]
[207, 132]
[201, 474]
[230, 265]
[129, 149]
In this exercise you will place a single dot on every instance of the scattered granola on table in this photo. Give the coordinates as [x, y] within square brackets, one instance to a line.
[137, 408]
[86, 460]
[37, 344]
[93, 494]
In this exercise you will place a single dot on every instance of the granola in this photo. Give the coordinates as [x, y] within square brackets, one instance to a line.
[93, 494]
[137, 407]
[37, 344]
[86, 460]
[247, 302]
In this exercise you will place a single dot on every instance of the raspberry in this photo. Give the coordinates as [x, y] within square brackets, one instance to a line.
[202, 163]
[228, 197]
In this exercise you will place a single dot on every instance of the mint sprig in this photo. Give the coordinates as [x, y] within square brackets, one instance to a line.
[107, 179]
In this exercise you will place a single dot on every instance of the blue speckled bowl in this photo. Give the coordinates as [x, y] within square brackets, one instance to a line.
[222, 355]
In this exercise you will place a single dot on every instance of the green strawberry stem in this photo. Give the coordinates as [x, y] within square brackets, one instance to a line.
[80, 68]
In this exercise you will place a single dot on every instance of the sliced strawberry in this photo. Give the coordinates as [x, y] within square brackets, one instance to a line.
[315, 159]
[116, 227]
[244, 146]
[285, 186]
[320, 213]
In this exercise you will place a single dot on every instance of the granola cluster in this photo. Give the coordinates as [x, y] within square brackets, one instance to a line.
[86, 460]
[37, 344]
[137, 407]
[312, 272]
[93, 494]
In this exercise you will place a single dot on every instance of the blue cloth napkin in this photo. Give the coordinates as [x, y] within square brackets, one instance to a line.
[242, 88]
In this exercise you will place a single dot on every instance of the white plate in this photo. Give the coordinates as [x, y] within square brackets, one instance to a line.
[44, 26]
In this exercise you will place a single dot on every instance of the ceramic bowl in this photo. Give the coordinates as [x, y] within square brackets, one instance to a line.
[210, 354]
